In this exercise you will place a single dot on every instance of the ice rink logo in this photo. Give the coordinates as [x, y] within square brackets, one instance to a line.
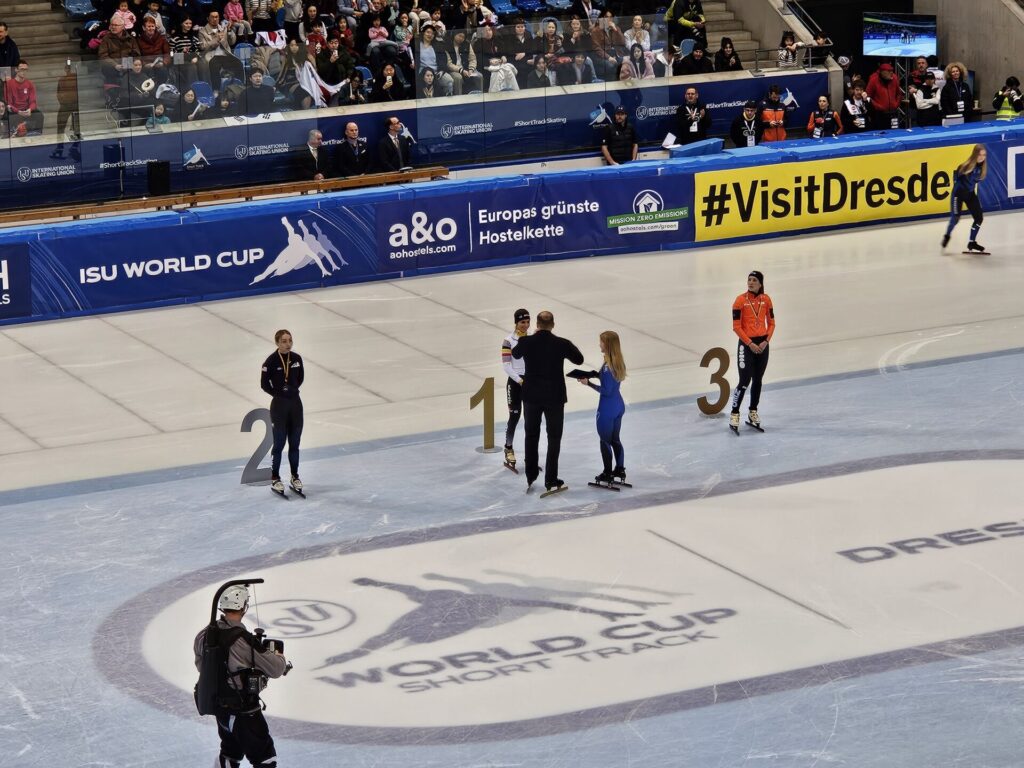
[24, 173]
[599, 116]
[194, 159]
[299, 619]
[1015, 172]
[310, 247]
[447, 131]
[641, 113]
[241, 151]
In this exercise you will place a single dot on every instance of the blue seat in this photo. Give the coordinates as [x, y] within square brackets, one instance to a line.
[79, 9]
[204, 93]
[503, 7]
[686, 47]
[367, 79]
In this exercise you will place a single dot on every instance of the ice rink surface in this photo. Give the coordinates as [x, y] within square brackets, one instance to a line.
[844, 589]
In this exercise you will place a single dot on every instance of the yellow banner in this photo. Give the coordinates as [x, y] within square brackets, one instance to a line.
[824, 193]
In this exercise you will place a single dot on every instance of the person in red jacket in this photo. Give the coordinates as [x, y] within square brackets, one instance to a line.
[753, 320]
[886, 96]
[773, 116]
[21, 102]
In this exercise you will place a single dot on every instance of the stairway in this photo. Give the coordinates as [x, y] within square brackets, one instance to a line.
[721, 22]
[45, 41]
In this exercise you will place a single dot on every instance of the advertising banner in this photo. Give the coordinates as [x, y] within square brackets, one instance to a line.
[15, 282]
[742, 202]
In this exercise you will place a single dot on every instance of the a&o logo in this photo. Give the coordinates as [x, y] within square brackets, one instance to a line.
[24, 173]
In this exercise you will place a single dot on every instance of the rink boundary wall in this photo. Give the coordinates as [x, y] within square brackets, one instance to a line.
[179, 257]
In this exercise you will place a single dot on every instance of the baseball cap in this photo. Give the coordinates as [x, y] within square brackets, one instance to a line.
[751, 104]
[886, 67]
[522, 314]
[619, 109]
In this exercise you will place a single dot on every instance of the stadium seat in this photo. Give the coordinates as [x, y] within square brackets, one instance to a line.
[367, 79]
[79, 9]
[204, 93]
[503, 7]
[686, 47]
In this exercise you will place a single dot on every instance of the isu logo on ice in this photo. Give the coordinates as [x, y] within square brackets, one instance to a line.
[309, 247]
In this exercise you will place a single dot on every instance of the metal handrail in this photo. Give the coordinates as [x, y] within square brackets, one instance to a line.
[805, 56]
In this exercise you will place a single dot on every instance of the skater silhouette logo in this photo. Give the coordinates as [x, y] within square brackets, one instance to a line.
[306, 245]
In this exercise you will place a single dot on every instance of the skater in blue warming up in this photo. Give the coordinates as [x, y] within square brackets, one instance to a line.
[609, 410]
[968, 175]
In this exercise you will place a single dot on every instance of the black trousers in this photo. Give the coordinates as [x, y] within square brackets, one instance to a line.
[514, 398]
[554, 418]
[751, 367]
[286, 418]
[246, 737]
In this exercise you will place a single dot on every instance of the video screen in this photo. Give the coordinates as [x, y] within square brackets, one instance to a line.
[900, 34]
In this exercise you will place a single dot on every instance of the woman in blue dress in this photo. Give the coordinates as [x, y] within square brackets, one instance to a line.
[610, 408]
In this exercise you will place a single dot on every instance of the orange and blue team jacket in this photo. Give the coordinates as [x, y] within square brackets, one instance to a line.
[753, 316]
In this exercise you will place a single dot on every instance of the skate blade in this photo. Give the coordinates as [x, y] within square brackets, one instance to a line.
[296, 490]
[976, 253]
[736, 430]
[553, 491]
[602, 485]
[622, 484]
[759, 429]
[511, 467]
[282, 494]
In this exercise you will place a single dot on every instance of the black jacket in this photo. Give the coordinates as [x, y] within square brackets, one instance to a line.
[740, 128]
[950, 97]
[620, 140]
[388, 157]
[545, 353]
[272, 376]
[306, 166]
[352, 161]
[257, 101]
[685, 133]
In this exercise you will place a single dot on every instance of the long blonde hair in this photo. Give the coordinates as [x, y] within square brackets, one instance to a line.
[967, 166]
[613, 354]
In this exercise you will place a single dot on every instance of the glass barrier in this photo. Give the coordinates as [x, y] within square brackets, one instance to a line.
[130, 127]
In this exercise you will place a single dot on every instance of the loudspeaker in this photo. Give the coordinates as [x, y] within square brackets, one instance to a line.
[158, 176]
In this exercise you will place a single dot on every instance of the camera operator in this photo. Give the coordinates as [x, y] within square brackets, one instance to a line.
[1007, 102]
[250, 660]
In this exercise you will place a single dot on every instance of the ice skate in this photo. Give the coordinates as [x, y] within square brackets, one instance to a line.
[296, 485]
[975, 247]
[945, 240]
[619, 478]
[510, 459]
[605, 481]
[556, 487]
[278, 487]
[734, 422]
[754, 420]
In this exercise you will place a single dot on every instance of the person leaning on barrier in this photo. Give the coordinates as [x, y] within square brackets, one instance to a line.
[243, 730]
[1007, 102]
[693, 119]
[746, 129]
[619, 144]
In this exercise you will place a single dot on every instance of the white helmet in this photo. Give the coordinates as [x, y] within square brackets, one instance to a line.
[234, 598]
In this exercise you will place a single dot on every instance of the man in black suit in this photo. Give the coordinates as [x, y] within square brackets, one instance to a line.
[352, 157]
[393, 151]
[544, 394]
[311, 163]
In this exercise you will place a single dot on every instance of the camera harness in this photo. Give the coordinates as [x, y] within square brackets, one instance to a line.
[243, 697]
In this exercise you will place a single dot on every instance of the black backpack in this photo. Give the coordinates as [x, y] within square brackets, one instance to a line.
[213, 695]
